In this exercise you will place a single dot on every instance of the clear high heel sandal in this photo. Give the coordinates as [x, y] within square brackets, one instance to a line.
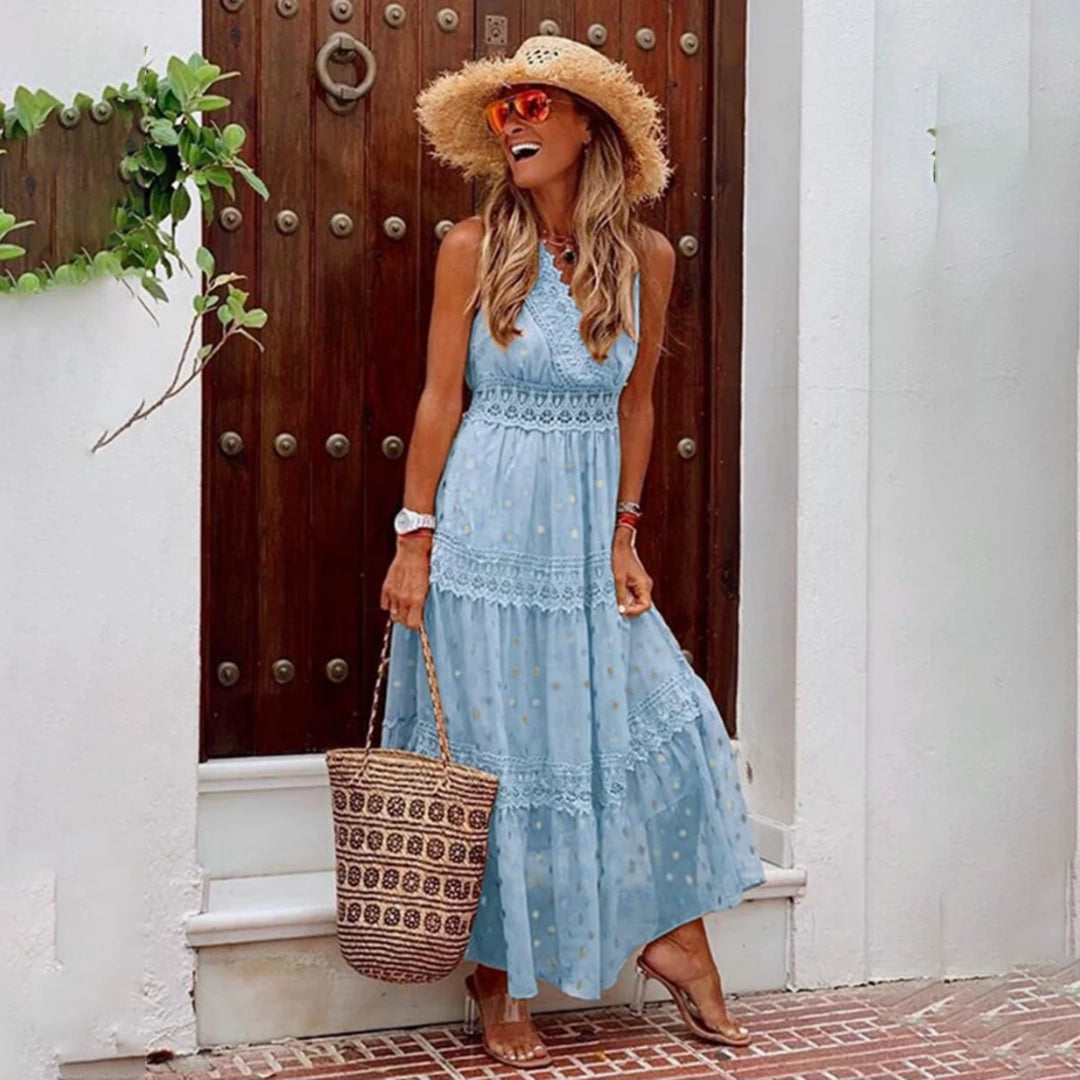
[473, 1023]
[733, 1035]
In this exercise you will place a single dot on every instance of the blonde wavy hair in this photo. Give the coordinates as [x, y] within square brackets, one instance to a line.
[610, 238]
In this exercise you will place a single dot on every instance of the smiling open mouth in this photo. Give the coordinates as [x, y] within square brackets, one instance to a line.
[524, 150]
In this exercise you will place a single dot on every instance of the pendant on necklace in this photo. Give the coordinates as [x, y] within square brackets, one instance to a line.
[569, 250]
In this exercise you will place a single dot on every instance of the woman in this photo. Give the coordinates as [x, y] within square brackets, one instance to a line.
[619, 820]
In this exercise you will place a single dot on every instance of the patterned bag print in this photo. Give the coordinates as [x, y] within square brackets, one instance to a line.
[411, 837]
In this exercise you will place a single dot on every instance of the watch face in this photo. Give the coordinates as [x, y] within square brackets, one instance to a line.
[401, 522]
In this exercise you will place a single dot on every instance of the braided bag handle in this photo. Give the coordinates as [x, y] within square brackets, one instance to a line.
[433, 686]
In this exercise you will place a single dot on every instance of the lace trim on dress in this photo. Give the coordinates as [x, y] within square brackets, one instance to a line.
[570, 786]
[547, 582]
[539, 409]
[555, 312]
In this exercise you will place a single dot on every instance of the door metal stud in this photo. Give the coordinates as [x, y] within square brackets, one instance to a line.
[394, 227]
[69, 116]
[101, 111]
[549, 26]
[231, 443]
[443, 227]
[341, 225]
[596, 34]
[285, 444]
[689, 43]
[287, 8]
[393, 446]
[341, 10]
[337, 670]
[688, 245]
[286, 221]
[231, 218]
[646, 38]
[228, 673]
[687, 447]
[337, 445]
[284, 671]
[394, 14]
[232, 5]
[447, 19]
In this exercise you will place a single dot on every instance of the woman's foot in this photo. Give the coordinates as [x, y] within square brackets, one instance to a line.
[509, 1033]
[683, 957]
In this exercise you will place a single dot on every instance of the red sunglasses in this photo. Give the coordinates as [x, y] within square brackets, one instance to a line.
[533, 106]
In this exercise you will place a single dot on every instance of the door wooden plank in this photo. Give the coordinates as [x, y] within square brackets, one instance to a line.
[231, 403]
[728, 65]
[394, 344]
[683, 380]
[342, 309]
[286, 87]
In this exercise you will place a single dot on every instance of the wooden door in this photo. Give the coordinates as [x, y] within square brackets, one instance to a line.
[304, 443]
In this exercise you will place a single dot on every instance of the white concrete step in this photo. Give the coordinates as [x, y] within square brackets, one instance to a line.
[269, 964]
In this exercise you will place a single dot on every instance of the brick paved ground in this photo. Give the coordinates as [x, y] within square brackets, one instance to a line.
[1023, 1026]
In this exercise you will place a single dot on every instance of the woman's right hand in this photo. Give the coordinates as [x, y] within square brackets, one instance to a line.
[406, 585]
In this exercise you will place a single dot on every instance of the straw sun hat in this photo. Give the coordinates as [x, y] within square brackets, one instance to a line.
[450, 108]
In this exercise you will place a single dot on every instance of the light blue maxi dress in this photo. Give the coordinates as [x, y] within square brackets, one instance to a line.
[619, 814]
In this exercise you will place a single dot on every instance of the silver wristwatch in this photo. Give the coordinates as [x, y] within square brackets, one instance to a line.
[407, 520]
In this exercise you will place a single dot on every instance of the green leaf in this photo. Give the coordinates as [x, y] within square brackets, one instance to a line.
[209, 102]
[207, 202]
[234, 136]
[204, 352]
[204, 73]
[106, 261]
[181, 203]
[183, 81]
[224, 316]
[218, 174]
[255, 317]
[28, 283]
[253, 180]
[163, 132]
[150, 284]
[204, 259]
[65, 274]
[11, 251]
[154, 157]
[159, 204]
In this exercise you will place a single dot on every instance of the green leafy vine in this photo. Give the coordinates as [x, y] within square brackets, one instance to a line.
[177, 148]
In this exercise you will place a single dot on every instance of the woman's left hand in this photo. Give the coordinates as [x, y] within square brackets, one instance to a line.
[633, 586]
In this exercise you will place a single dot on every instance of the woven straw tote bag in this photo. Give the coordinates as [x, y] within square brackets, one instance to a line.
[410, 839]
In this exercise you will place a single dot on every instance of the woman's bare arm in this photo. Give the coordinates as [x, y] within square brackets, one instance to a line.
[438, 413]
[636, 416]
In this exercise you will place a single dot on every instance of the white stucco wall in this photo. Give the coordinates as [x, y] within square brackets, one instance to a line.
[766, 684]
[935, 691]
[99, 618]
